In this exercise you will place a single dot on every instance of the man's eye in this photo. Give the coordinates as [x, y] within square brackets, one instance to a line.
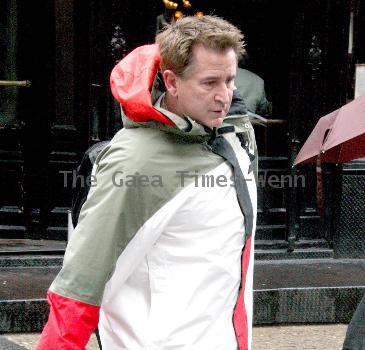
[230, 84]
[209, 83]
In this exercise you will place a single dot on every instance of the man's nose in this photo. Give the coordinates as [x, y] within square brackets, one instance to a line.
[223, 95]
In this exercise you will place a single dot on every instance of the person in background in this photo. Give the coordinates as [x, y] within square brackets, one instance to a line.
[252, 89]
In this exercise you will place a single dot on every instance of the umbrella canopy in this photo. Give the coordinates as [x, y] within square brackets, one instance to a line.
[338, 136]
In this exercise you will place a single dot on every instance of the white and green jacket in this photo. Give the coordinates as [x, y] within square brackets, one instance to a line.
[162, 256]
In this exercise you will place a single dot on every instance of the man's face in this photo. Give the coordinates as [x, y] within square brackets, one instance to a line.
[205, 91]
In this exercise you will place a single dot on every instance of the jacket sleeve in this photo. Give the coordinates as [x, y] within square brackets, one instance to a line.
[105, 227]
[70, 324]
[114, 229]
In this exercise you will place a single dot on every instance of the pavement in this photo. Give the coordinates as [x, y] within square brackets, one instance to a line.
[300, 337]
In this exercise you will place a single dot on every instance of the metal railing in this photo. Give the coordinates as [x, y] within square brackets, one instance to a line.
[16, 83]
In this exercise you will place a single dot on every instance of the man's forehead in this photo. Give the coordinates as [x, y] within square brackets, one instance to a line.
[216, 68]
[201, 54]
[218, 75]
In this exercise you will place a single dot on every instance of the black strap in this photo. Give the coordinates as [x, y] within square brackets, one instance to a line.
[98, 338]
[222, 147]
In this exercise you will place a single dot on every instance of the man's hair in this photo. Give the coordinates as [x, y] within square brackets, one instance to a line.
[176, 41]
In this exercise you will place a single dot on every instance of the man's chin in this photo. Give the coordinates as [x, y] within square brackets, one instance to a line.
[216, 122]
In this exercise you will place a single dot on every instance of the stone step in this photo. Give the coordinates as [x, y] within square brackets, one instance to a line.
[307, 290]
[282, 254]
[283, 244]
[31, 260]
[23, 307]
[31, 247]
[11, 215]
[12, 231]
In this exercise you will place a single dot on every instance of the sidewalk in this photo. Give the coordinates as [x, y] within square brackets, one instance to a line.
[303, 337]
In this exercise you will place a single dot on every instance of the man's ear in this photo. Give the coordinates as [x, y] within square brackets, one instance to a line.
[170, 79]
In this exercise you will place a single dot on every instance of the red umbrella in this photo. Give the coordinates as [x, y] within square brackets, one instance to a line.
[338, 137]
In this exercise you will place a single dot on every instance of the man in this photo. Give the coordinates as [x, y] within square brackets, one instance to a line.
[162, 254]
[252, 89]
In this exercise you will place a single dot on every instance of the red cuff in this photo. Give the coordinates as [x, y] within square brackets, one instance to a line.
[70, 324]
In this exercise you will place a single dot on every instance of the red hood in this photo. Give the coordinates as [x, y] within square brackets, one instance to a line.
[131, 82]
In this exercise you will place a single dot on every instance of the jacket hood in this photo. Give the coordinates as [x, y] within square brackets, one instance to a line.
[131, 82]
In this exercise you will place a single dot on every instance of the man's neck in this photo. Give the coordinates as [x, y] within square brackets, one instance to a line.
[169, 102]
